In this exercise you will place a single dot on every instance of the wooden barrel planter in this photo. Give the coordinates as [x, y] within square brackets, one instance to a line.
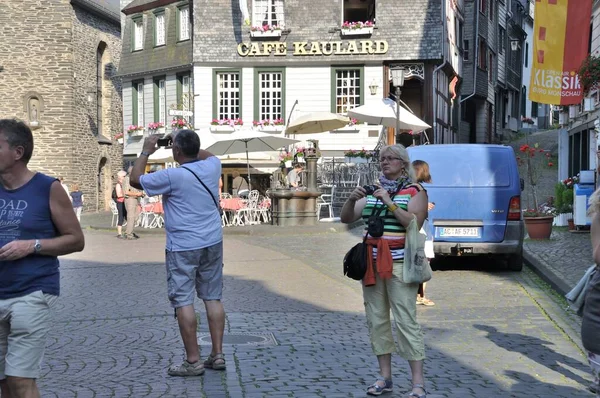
[539, 227]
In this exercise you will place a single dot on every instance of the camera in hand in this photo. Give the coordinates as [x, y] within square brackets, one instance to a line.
[370, 189]
[165, 142]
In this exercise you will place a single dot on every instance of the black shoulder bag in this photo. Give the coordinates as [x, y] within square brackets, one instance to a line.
[355, 261]
[207, 190]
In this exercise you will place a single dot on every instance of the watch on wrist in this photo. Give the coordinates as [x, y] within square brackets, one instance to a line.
[37, 247]
[145, 153]
[392, 207]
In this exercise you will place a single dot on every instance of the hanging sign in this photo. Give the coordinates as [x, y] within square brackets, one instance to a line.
[561, 35]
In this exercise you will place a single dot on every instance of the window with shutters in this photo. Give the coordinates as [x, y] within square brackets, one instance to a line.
[270, 95]
[228, 95]
[267, 12]
[159, 29]
[183, 23]
[138, 34]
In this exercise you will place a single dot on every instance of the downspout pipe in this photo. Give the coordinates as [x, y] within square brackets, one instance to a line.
[476, 58]
[437, 69]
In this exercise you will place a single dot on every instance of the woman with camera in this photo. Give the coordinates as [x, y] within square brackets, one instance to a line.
[388, 208]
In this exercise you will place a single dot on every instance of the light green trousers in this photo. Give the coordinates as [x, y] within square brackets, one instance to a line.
[399, 297]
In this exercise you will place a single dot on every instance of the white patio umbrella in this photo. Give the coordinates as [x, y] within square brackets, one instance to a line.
[384, 113]
[249, 141]
[316, 122]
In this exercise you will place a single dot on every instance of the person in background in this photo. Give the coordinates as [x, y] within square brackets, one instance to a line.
[590, 325]
[239, 184]
[400, 200]
[423, 175]
[294, 178]
[77, 201]
[194, 247]
[120, 203]
[29, 268]
[131, 205]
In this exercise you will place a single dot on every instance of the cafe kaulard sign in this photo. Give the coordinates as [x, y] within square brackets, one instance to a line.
[351, 47]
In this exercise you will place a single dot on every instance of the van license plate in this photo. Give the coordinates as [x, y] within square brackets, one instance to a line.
[470, 232]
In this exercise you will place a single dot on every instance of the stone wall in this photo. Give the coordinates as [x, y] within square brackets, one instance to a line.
[96, 165]
[36, 54]
[54, 61]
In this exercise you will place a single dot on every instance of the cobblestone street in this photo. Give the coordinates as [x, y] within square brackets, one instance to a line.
[295, 327]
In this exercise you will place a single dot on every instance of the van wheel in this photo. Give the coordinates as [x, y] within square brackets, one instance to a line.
[515, 262]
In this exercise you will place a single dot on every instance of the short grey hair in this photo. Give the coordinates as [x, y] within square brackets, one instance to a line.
[188, 141]
[401, 152]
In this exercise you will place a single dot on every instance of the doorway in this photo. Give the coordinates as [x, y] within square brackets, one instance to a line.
[104, 185]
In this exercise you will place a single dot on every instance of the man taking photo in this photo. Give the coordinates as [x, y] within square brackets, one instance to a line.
[194, 248]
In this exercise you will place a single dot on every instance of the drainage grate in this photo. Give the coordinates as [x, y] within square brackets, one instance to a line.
[254, 339]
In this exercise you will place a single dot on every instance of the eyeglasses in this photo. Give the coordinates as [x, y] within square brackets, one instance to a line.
[387, 158]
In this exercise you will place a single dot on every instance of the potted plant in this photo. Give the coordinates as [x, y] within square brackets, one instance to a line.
[527, 120]
[538, 220]
[135, 131]
[275, 125]
[119, 137]
[357, 28]
[568, 197]
[225, 125]
[265, 31]
[299, 154]
[154, 126]
[563, 203]
[179, 123]
[589, 72]
[285, 159]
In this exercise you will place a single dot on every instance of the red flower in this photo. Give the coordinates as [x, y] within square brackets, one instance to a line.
[550, 164]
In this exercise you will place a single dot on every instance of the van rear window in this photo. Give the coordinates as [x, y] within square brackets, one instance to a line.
[466, 168]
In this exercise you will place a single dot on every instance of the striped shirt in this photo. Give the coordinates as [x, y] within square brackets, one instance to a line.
[392, 228]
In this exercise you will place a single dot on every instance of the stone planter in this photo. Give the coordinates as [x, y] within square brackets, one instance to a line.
[357, 32]
[561, 220]
[539, 227]
[268, 33]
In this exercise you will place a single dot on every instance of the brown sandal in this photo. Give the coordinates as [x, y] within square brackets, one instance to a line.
[216, 362]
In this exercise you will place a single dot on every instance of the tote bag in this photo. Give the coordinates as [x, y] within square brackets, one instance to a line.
[416, 267]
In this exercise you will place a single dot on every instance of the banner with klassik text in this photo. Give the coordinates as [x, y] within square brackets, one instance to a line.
[560, 44]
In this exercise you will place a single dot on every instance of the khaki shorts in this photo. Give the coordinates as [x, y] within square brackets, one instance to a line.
[200, 270]
[24, 325]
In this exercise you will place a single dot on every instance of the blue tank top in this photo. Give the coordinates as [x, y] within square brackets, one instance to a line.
[24, 215]
[77, 202]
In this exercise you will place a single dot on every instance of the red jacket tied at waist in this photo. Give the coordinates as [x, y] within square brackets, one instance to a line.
[385, 263]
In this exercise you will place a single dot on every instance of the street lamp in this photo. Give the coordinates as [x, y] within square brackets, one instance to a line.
[398, 81]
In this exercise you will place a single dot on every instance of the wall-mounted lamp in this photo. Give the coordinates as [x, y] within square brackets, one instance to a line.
[373, 87]
[514, 45]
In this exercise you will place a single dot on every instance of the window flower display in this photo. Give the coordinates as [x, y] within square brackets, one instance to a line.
[133, 128]
[227, 122]
[357, 28]
[155, 126]
[179, 123]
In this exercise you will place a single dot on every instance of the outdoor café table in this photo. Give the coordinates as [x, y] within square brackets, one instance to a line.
[152, 215]
[232, 205]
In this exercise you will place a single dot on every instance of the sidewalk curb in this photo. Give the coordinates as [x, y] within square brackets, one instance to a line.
[544, 272]
[243, 231]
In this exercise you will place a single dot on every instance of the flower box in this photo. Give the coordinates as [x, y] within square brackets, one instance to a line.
[137, 133]
[270, 129]
[222, 129]
[120, 140]
[288, 163]
[160, 131]
[358, 32]
[268, 33]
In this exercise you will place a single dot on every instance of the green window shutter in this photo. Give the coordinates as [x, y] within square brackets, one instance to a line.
[156, 102]
[134, 103]
[179, 90]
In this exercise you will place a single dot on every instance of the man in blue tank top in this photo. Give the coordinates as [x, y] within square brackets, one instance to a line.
[37, 224]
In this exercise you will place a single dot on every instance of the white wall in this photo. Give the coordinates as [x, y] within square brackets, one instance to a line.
[527, 67]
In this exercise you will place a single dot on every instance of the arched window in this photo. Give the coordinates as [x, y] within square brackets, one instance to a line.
[99, 86]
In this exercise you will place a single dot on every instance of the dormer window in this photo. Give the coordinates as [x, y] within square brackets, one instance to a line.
[358, 10]
[267, 13]
[138, 34]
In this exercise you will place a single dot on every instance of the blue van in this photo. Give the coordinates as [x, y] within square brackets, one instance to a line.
[477, 194]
